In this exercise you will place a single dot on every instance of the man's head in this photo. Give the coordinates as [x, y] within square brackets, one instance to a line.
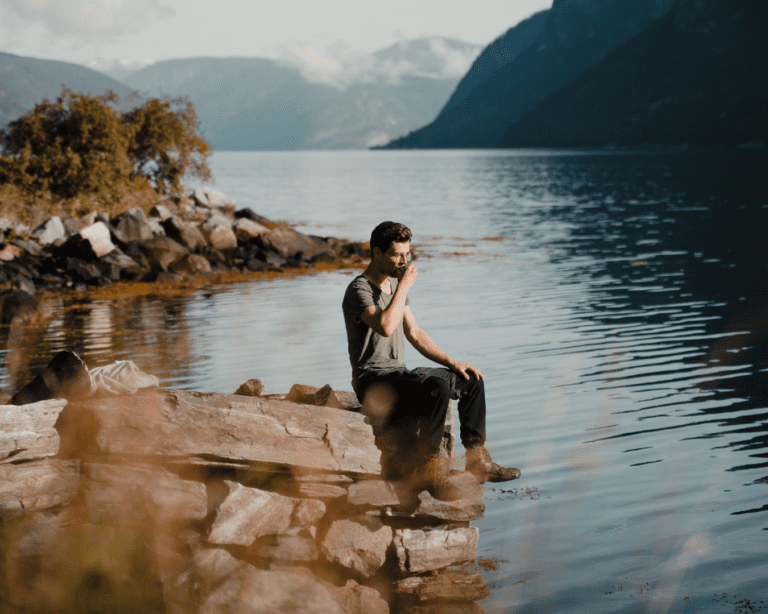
[390, 246]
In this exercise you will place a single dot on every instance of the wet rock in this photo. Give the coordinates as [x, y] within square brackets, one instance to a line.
[191, 264]
[28, 433]
[211, 199]
[251, 388]
[115, 491]
[247, 229]
[289, 243]
[185, 233]
[420, 550]
[17, 305]
[162, 252]
[131, 226]
[65, 377]
[248, 514]
[450, 585]
[286, 549]
[356, 599]
[37, 485]
[359, 544]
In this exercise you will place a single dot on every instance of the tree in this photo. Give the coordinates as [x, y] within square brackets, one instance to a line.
[84, 145]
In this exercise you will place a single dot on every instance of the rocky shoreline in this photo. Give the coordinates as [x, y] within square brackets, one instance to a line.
[175, 501]
[199, 239]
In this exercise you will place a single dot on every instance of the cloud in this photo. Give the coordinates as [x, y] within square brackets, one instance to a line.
[69, 19]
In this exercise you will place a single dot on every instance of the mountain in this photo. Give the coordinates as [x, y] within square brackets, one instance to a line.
[26, 81]
[265, 104]
[696, 77]
[541, 55]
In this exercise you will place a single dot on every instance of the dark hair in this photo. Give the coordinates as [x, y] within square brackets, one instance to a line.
[387, 233]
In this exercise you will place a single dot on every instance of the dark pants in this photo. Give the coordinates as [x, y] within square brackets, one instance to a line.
[417, 403]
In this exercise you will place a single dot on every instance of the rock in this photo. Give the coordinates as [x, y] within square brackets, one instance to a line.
[156, 227]
[248, 229]
[219, 234]
[248, 513]
[450, 585]
[288, 242]
[185, 233]
[191, 264]
[10, 252]
[178, 424]
[132, 226]
[160, 211]
[359, 544]
[356, 599]
[29, 433]
[249, 214]
[38, 485]
[443, 608]
[286, 548]
[230, 585]
[49, 231]
[17, 304]
[251, 388]
[115, 491]
[211, 199]
[98, 238]
[65, 377]
[313, 490]
[119, 265]
[162, 252]
[301, 393]
[420, 550]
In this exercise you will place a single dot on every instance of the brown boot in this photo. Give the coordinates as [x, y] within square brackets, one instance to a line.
[432, 476]
[481, 465]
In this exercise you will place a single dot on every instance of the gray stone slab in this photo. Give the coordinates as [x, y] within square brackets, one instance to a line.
[27, 431]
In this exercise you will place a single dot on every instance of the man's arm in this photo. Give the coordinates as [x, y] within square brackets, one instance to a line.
[384, 322]
[426, 347]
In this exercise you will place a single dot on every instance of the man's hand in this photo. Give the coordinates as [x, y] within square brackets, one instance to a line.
[465, 370]
[406, 276]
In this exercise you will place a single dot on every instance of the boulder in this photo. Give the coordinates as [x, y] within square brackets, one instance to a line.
[191, 264]
[251, 388]
[65, 377]
[162, 252]
[132, 226]
[219, 234]
[119, 265]
[262, 431]
[49, 231]
[247, 229]
[28, 433]
[285, 549]
[160, 211]
[449, 585]
[37, 485]
[115, 491]
[248, 514]
[359, 544]
[420, 550]
[356, 599]
[10, 252]
[17, 305]
[185, 233]
[289, 243]
[249, 214]
[211, 199]
[31, 247]
[90, 243]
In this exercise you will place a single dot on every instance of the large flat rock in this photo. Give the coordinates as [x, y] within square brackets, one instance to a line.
[213, 427]
[27, 431]
[38, 485]
[451, 585]
[420, 550]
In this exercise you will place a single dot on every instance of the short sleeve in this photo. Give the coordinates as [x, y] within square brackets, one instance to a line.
[357, 298]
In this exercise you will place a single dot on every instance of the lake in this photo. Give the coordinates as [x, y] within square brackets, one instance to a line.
[616, 304]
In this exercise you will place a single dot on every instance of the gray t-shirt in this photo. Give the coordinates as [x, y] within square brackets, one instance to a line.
[370, 352]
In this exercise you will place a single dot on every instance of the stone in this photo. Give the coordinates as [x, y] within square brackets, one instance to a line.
[121, 265]
[185, 233]
[160, 211]
[65, 377]
[156, 227]
[251, 388]
[31, 247]
[49, 231]
[233, 586]
[37, 485]
[219, 234]
[247, 229]
[211, 199]
[359, 544]
[356, 599]
[115, 491]
[177, 424]
[249, 214]
[98, 238]
[450, 585]
[313, 490]
[443, 608]
[162, 252]
[249, 513]
[420, 550]
[29, 433]
[17, 305]
[10, 252]
[131, 226]
[301, 393]
[286, 548]
[288, 242]
[191, 264]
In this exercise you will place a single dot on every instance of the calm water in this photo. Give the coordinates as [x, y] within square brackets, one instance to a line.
[616, 304]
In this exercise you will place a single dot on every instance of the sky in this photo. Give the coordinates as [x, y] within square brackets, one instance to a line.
[101, 31]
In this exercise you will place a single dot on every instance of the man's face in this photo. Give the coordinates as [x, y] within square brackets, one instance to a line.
[396, 257]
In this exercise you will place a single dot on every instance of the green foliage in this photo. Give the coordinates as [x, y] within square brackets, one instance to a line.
[83, 146]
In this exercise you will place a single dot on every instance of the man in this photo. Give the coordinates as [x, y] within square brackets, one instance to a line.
[408, 407]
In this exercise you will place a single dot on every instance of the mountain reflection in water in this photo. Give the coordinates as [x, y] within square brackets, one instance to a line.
[619, 316]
